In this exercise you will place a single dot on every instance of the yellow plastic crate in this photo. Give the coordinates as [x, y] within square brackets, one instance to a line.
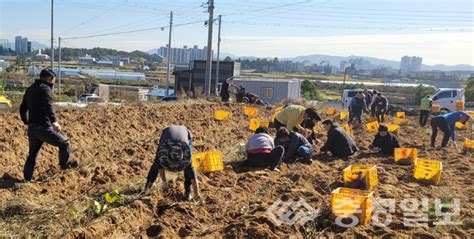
[264, 123]
[468, 145]
[360, 176]
[348, 201]
[254, 124]
[330, 111]
[428, 170]
[400, 115]
[459, 105]
[400, 121]
[461, 126]
[250, 111]
[273, 117]
[347, 128]
[4, 101]
[222, 115]
[344, 115]
[213, 161]
[372, 126]
[436, 108]
[208, 161]
[393, 128]
[198, 160]
[405, 155]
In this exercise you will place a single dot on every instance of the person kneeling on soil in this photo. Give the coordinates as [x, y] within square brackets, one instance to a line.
[338, 141]
[36, 111]
[174, 154]
[385, 140]
[261, 151]
[292, 117]
[446, 123]
[297, 147]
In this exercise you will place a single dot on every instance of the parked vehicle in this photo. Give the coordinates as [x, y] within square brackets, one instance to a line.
[447, 97]
[5, 103]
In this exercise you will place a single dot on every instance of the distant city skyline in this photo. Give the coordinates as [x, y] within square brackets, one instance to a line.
[440, 33]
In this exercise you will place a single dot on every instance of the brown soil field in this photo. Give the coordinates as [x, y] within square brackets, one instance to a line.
[115, 147]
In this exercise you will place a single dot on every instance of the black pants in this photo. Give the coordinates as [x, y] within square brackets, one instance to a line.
[189, 175]
[225, 96]
[441, 124]
[37, 135]
[189, 172]
[424, 115]
[355, 115]
[265, 160]
[380, 114]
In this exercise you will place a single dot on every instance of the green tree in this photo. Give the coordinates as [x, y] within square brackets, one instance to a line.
[469, 92]
[310, 92]
[421, 91]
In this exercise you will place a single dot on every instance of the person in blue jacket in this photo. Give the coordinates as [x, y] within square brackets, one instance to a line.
[446, 123]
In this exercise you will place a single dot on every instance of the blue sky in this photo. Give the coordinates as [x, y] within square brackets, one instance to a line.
[440, 31]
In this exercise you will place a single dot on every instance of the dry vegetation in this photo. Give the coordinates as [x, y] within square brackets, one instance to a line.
[116, 146]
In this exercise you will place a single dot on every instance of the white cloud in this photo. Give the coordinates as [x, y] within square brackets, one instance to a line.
[439, 48]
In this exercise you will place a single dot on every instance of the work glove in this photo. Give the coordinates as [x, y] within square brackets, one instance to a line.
[56, 127]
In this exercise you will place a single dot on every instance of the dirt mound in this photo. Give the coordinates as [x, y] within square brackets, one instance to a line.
[116, 147]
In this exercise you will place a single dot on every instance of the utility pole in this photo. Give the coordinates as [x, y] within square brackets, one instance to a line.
[208, 75]
[169, 57]
[218, 54]
[52, 33]
[59, 68]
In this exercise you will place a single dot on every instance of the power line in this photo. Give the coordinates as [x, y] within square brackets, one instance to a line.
[364, 15]
[131, 31]
[338, 19]
[359, 9]
[88, 20]
[273, 7]
[313, 26]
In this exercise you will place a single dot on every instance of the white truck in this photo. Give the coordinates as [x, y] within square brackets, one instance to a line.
[446, 98]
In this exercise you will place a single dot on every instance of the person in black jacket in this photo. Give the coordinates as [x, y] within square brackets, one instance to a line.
[385, 140]
[380, 105]
[338, 142]
[357, 107]
[297, 147]
[225, 92]
[36, 111]
[368, 97]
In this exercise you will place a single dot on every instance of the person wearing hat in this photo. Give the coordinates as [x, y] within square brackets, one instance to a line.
[261, 151]
[339, 143]
[297, 148]
[292, 117]
[36, 111]
[174, 154]
[385, 141]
